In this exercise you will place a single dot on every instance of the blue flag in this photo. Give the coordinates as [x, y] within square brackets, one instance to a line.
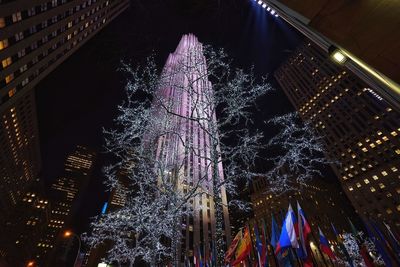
[379, 247]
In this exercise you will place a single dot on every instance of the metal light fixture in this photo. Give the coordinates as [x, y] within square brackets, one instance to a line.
[337, 55]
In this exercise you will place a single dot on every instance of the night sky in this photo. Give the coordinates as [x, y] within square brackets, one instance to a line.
[80, 96]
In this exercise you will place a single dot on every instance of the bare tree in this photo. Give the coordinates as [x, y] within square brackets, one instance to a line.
[298, 154]
[151, 143]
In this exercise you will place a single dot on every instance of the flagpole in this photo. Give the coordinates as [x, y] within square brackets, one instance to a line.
[318, 248]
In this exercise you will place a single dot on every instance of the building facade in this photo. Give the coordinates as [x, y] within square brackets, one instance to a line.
[35, 37]
[188, 159]
[360, 129]
[34, 232]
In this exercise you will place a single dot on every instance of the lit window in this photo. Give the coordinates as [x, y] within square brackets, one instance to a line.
[6, 62]
[3, 44]
[359, 144]
[364, 149]
[389, 195]
[389, 211]
[385, 138]
[366, 181]
[2, 23]
[378, 142]
[393, 133]
[9, 78]
[351, 188]
[358, 185]
[12, 92]
[394, 169]
[388, 109]
[397, 151]
[372, 145]
[372, 189]
[384, 173]
[379, 133]
[16, 17]
[381, 185]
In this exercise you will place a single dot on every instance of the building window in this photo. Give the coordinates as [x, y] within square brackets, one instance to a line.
[6, 62]
[372, 189]
[12, 92]
[366, 181]
[21, 53]
[3, 44]
[2, 23]
[384, 173]
[351, 188]
[19, 36]
[23, 68]
[16, 17]
[31, 12]
[9, 78]
[381, 185]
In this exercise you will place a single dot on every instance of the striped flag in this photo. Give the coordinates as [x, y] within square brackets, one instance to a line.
[304, 230]
[324, 245]
[288, 238]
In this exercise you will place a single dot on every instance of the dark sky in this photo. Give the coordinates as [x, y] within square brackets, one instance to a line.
[80, 96]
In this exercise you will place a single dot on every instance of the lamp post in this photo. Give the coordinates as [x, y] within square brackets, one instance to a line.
[68, 234]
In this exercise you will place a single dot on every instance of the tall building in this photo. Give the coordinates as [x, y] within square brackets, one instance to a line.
[19, 157]
[191, 165]
[35, 37]
[32, 230]
[360, 129]
[66, 195]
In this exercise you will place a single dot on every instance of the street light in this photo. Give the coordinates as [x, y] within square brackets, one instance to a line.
[68, 234]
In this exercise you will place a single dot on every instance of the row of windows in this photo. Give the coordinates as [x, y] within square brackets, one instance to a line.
[36, 59]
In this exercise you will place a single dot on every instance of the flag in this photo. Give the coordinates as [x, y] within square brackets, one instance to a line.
[363, 250]
[379, 246]
[232, 248]
[288, 238]
[264, 254]
[393, 239]
[259, 245]
[324, 245]
[304, 230]
[243, 248]
[200, 257]
[274, 233]
[342, 247]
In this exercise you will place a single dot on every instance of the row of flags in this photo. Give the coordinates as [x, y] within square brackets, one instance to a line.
[292, 242]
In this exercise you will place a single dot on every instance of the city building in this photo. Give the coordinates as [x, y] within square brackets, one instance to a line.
[360, 129]
[360, 33]
[35, 37]
[33, 233]
[190, 166]
[20, 154]
[67, 192]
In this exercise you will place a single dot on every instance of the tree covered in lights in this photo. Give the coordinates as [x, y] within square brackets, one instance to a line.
[197, 91]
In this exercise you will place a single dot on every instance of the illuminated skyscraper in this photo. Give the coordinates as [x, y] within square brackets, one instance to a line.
[360, 129]
[19, 152]
[199, 228]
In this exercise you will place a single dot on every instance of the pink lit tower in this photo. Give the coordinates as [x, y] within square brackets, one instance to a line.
[188, 150]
